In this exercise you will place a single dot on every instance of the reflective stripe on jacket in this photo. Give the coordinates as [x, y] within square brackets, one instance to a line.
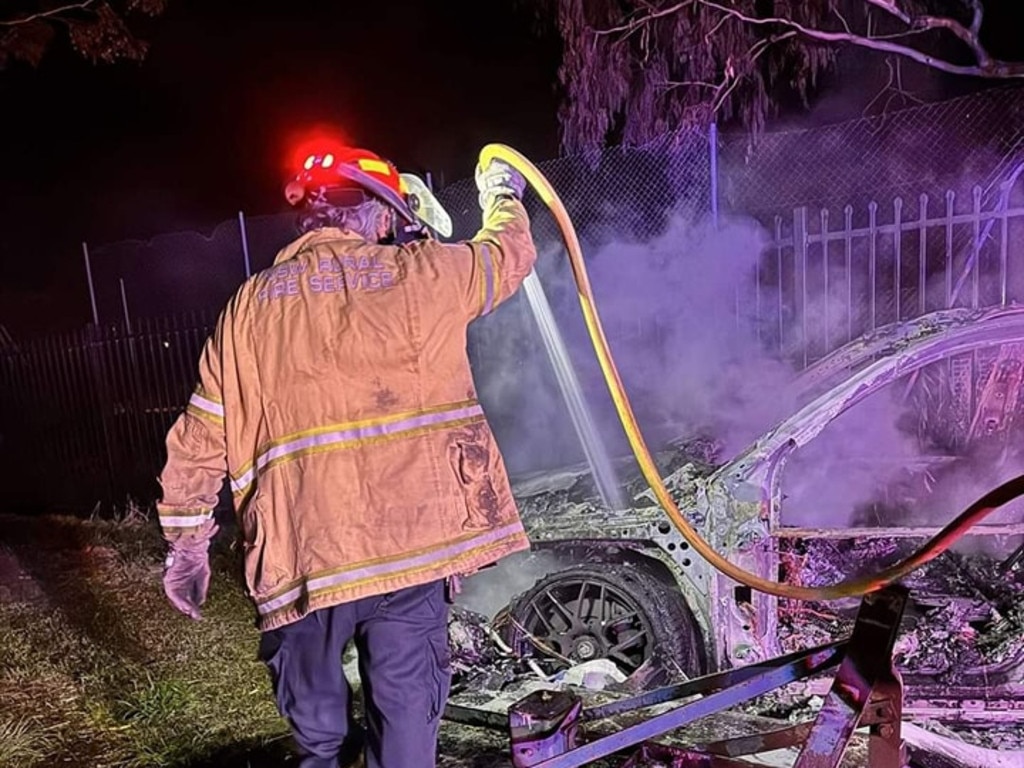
[335, 393]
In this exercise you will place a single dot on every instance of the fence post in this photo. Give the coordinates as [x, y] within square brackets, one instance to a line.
[873, 261]
[95, 342]
[922, 254]
[825, 245]
[976, 255]
[800, 274]
[781, 318]
[848, 252]
[124, 306]
[1004, 233]
[245, 244]
[713, 154]
[950, 202]
[897, 256]
[92, 289]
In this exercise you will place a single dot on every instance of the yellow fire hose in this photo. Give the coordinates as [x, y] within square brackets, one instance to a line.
[851, 588]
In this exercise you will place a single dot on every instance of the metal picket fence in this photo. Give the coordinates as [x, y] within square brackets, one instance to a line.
[84, 414]
[881, 219]
[823, 283]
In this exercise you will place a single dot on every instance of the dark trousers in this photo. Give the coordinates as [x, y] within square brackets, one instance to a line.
[404, 666]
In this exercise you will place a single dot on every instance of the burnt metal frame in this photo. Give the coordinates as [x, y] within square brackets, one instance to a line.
[865, 691]
[743, 498]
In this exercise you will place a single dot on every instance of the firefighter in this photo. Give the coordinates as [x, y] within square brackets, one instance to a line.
[335, 395]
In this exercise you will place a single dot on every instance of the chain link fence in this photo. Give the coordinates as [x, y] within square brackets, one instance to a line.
[954, 144]
[951, 147]
[700, 248]
[183, 272]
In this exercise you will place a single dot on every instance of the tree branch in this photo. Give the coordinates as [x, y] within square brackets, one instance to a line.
[893, 87]
[890, 7]
[979, 14]
[968, 36]
[842, 19]
[47, 14]
[986, 66]
[701, 56]
[640, 21]
[753, 55]
[668, 85]
[730, 80]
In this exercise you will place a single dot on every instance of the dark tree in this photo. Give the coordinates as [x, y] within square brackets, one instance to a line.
[98, 30]
[633, 70]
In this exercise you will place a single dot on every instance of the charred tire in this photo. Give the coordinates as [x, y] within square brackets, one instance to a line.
[618, 612]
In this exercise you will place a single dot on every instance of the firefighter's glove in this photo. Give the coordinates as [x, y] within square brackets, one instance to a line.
[498, 179]
[187, 571]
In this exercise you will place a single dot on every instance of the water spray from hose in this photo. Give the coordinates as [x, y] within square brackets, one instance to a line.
[582, 419]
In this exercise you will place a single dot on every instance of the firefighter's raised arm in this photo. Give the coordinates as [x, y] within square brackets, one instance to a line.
[493, 265]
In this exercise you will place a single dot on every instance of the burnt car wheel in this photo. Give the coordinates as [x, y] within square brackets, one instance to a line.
[615, 612]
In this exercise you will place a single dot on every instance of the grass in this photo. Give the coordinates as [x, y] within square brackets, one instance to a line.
[22, 741]
[154, 701]
[97, 670]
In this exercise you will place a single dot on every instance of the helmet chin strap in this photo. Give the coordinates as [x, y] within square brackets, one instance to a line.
[390, 232]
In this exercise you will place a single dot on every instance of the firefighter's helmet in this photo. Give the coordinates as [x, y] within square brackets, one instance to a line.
[347, 176]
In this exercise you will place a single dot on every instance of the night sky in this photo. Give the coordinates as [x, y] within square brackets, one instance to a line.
[202, 128]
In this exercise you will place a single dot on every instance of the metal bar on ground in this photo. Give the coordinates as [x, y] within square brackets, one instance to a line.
[753, 744]
[702, 685]
[868, 660]
[479, 718]
[688, 713]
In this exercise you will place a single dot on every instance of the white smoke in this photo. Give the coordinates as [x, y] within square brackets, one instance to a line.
[490, 590]
[684, 347]
[689, 354]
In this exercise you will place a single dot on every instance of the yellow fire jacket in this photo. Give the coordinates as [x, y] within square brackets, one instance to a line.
[336, 394]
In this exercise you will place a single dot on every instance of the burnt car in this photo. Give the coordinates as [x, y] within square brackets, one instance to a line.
[627, 587]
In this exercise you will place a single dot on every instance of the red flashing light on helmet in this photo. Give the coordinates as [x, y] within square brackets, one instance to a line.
[325, 160]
